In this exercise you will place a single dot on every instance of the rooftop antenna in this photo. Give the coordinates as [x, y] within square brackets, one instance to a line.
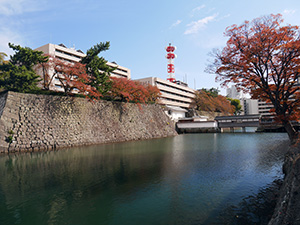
[170, 56]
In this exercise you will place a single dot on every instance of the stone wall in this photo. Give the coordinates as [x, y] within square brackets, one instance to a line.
[288, 204]
[36, 122]
[2, 102]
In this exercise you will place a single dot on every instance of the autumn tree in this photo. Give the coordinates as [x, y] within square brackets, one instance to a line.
[153, 93]
[97, 68]
[133, 91]
[206, 100]
[72, 77]
[18, 73]
[47, 71]
[263, 58]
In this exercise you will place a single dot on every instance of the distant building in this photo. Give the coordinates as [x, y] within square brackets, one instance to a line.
[72, 55]
[233, 93]
[173, 94]
[264, 108]
[250, 106]
[177, 97]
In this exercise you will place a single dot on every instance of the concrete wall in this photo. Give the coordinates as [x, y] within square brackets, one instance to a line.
[36, 122]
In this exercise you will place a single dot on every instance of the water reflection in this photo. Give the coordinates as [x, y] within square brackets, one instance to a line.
[187, 179]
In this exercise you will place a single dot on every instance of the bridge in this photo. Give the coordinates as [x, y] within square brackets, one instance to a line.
[242, 121]
[191, 125]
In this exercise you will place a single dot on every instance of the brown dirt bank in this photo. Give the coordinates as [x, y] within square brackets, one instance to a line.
[31, 122]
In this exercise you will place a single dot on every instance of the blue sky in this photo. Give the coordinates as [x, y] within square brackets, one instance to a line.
[137, 30]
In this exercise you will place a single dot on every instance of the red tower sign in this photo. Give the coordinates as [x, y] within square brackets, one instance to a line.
[170, 56]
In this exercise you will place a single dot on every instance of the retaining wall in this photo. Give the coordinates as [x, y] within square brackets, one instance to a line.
[31, 122]
[288, 204]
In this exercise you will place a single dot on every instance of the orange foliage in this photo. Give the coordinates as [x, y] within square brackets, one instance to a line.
[133, 91]
[204, 101]
[72, 77]
[263, 58]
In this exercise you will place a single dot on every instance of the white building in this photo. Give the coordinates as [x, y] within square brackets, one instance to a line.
[72, 55]
[172, 94]
[264, 108]
[233, 93]
[177, 97]
[254, 106]
[175, 113]
[250, 106]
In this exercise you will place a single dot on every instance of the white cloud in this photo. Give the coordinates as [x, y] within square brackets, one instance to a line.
[224, 17]
[289, 11]
[6, 36]
[11, 26]
[195, 10]
[198, 8]
[195, 26]
[176, 24]
[15, 7]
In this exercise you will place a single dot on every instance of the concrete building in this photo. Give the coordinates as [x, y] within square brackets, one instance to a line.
[250, 106]
[173, 94]
[233, 93]
[264, 108]
[177, 97]
[254, 106]
[175, 113]
[72, 55]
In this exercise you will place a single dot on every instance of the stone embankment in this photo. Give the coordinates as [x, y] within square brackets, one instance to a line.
[31, 122]
[287, 210]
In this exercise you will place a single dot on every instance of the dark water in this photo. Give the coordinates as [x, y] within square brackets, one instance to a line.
[188, 179]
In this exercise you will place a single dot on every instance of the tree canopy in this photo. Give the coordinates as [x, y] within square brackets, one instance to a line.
[237, 105]
[2, 57]
[210, 100]
[133, 91]
[18, 74]
[72, 77]
[97, 68]
[263, 58]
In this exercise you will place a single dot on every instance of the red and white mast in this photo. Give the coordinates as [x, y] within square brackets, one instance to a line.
[170, 56]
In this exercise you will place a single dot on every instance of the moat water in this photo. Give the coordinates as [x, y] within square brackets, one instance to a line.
[188, 179]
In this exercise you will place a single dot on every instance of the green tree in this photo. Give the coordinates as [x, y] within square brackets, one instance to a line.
[237, 106]
[2, 57]
[18, 73]
[214, 92]
[17, 78]
[97, 68]
[27, 57]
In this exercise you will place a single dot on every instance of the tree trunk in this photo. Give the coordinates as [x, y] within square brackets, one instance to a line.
[293, 134]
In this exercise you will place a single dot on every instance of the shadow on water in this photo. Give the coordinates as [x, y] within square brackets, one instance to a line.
[253, 209]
